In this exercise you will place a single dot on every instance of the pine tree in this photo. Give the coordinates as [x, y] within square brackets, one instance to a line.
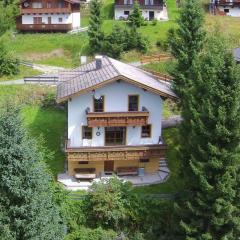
[186, 43]
[135, 18]
[27, 208]
[94, 30]
[211, 208]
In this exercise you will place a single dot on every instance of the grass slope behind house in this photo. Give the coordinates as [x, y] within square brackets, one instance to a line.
[50, 124]
[43, 123]
[24, 72]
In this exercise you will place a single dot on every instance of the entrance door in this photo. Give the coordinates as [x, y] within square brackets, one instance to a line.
[108, 166]
[151, 15]
[115, 136]
[49, 20]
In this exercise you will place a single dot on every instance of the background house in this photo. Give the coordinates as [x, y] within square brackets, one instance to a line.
[114, 118]
[151, 9]
[48, 15]
[225, 7]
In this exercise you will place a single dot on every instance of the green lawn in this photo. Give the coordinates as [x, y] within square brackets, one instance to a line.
[24, 72]
[175, 183]
[49, 123]
[162, 67]
[46, 124]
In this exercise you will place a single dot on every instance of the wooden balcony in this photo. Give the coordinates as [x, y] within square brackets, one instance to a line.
[115, 152]
[45, 10]
[142, 6]
[44, 27]
[117, 119]
[227, 2]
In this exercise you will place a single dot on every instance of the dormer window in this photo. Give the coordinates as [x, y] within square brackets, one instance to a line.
[98, 104]
[133, 102]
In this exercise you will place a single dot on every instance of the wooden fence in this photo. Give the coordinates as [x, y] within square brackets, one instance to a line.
[155, 58]
[160, 76]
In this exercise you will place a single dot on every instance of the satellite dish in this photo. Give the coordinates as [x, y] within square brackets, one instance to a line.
[97, 96]
[26, 4]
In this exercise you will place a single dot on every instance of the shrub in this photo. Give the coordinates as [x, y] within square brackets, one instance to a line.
[154, 22]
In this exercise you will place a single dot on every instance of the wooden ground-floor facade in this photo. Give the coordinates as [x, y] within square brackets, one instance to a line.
[112, 158]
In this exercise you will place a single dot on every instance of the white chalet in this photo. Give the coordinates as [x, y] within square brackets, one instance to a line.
[114, 119]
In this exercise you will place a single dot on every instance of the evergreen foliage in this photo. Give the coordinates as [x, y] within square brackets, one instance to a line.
[8, 64]
[211, 210]
[27, 207]
[135, 18]
[208, 82]
[94, 30]
[186, 43]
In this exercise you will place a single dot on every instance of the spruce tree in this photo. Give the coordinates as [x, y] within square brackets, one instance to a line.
[211, 210]
[186, 43]
[94, 30]
[27, 208]
[135, 18]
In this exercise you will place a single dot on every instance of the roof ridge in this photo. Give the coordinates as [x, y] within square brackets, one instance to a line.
[110, 62]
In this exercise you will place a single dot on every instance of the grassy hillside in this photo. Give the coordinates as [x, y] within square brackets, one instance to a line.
[45, 123]
[64, 49]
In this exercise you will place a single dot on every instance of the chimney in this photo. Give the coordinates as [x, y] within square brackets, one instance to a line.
[98, 60]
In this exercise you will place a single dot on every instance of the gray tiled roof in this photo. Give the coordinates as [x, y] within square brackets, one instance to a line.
[87, 76]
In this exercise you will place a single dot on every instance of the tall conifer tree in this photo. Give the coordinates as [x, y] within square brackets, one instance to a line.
[27, 208]
[213, 145]
[94, 30]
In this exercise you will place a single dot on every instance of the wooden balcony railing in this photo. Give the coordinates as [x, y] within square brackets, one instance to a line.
[115, 152]
[117, 119]
[45, 10]
[44, 27]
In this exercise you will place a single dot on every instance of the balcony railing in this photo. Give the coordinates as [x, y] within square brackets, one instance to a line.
[115, 152]
[117, 119]
[44, 27]
[142, 6]
[45, 10]
[227, 2]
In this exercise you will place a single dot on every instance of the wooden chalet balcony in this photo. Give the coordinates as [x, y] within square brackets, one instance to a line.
[45, 10]
[117, 119]
[115, 152]
[227, 2]
[142, 6]
[44, 27]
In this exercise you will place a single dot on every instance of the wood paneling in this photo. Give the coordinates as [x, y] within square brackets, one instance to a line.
[112, 119]
[44, 27]
[117, 153]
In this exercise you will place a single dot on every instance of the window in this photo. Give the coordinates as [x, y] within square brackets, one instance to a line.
[146, 131]
[99, 104]
[60, 19]
[49, 5]
[61, 4]
[148, 2]
[115, 136]
[86, 132]
[128, 2]
[126, 13]
[133, 103]
[36, 5]
[226, 10]
[144, 160]
[37, 20]
[83, 162]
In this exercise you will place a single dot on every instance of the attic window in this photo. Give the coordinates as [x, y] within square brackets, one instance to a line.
[99, 104]
[133, 102]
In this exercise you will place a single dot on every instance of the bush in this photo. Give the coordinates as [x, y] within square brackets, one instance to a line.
[84, 233]
[154, 22]
[8, 64]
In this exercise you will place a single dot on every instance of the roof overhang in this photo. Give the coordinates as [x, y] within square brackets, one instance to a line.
[120, 77]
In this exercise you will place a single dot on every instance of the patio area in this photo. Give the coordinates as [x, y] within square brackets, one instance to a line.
[70, 182]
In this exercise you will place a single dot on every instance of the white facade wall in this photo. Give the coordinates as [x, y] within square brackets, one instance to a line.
[73, 18]
[158, 14]
[116, 99]
[233, 12]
